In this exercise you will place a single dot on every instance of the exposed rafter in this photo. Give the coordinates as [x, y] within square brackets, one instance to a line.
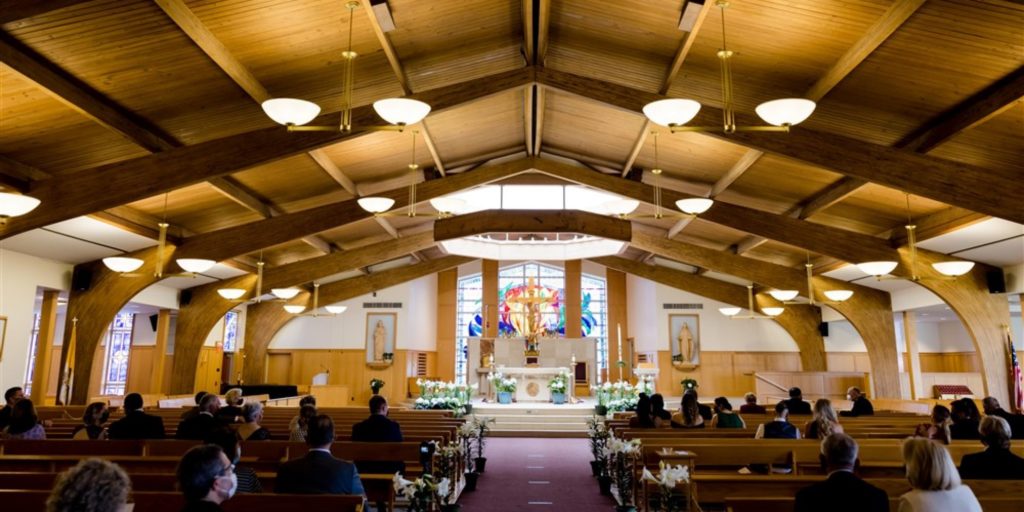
[14, 10]
[532, 221]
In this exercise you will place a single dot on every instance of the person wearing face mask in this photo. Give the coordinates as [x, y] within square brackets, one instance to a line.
[861, 405]
[96, 414]
[207, 478]
[93, 485]
[230, 442]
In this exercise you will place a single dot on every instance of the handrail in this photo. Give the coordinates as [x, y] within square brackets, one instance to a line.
[766, 380]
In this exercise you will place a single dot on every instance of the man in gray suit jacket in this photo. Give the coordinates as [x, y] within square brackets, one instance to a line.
[318, 472]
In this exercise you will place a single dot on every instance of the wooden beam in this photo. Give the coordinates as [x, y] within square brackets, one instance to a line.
[750, 243]
[14, 10]
[736, 171]
[532, 221]
[529, 48]
[80, 97]
[142, 224]
[679, 226]
[831, 195]
[686, 44]
[387, 226]
[543, 23]
[937, 224]
[538, 119]
[123, 182]
[528, 93]
[434, 155]
[638, 145]
[948, 181]
[44, 344]
[389, 49]
[238, 193]
[332, 170]
[980, 107]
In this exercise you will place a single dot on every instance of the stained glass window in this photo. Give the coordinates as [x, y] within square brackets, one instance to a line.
[32, 355]
[468, 321]
[230, 331]
[595, 316]
[119, 344]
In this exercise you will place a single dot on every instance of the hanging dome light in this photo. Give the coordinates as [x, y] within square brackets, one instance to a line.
[231, 293]
[401, 111]
[838, 295]
[773, 312]
[447, 205]
[195, 265]
[122, 264]
[953, 268]
[786, 111]
[376, 205]
[694, 205]
[877, 268]
[336, 310]
[14, 205]
[285, 293]
[619, 207]
[671, 112]
[291, 111]
[294, 308]
[783, 295]
[729, 311]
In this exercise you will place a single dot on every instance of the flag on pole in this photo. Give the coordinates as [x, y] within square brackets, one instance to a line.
[1018, 392]
[69, 363]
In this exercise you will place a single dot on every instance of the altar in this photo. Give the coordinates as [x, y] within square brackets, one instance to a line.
[555, 354]
[531, 381]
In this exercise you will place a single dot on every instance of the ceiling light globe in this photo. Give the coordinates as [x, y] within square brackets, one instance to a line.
[448, 204]
[694, 205]
[336, 310]
[620, 206]
[231, 293]
[13, 205]
[786, 111]
[671, 112]
[290, 111]
[773, 311]
[294, 308]
[401, 111]
[783, 295]
[953, 268]
[122, 264]
[376, 204]
[195, 265]
[729, 311]
[285, 293]
[838, 295]
[877, 268]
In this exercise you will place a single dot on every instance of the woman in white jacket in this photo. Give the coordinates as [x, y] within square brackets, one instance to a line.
[935, 481]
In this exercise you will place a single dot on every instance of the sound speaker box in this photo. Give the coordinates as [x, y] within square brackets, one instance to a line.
[152, 321]
[823, 328]
[996, 281]
[81, 279]
[186, 298]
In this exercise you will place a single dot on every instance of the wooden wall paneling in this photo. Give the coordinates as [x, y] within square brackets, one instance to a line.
[279, 368]
[913, 355]
[447, 311]
[140, 370]
[573, 298]
[163, 330]
[489, 281]
[617, 318]
[347, 368]
[44, 341]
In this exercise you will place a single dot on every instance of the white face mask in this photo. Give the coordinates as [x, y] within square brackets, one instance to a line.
[234, 485]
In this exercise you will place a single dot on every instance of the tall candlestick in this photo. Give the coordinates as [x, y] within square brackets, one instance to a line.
[618, 328]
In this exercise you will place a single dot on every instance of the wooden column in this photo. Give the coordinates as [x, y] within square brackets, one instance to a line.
[910, 336]
[489, 310]
[163, 329]
[573, 299]
[617, 318]
[447, 310]
[47, 327]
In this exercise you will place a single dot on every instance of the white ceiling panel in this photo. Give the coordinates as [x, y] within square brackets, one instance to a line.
[727, 278]
[662, 262]
[180, 283]
[99, 232]
[1002, 254]
[846, 273]
[984, 232]
[348, 274]
[222, 271]
[57, 247]
[888, 285]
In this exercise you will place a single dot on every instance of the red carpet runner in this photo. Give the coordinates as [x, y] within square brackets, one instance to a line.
[528, 474]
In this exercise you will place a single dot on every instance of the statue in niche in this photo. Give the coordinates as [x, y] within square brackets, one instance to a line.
[379, 337]
[686, 346]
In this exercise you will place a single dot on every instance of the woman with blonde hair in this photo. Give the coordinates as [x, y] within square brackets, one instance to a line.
[824, 423]
[934, 479]
[94, 485]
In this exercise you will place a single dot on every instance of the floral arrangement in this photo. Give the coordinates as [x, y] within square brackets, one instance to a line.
[559, 383]
[376, 384]
[644, 385]
[501, 383]
[435, 394]
[447, 463]
[621, 455]
[689, 384]
[599, 435]
[621, 395]
[422, 491]
[467, 433]
[668, 477]
[482, 425]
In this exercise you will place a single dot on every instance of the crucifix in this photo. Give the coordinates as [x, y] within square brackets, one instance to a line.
[533, 325]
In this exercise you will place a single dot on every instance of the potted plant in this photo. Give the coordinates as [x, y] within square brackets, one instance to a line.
[689, 384]
[598, 433]
[482, 426]
[621, 457]
[558, 386]
[603, 393]
[447, 463]
[505, 387]
[375, 385]
[668, 477]
[467, 432]
[388, 356]
[419, 492]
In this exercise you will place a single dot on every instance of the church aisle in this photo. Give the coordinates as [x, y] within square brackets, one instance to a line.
[525, 474]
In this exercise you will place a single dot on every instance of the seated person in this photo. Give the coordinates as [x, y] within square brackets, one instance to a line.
[231, 412]
[231, 445]
[318, 472]
[750, 406]
[966, 418]
[136, 424]
[93, 485]
[689, 414]
[724, 417]
[1016, 421]
[96, 414]
[780, 427]
[207, 478]
[298, 431]
[934, 481]
[861, 405]
[842, 491]
[705, 411]
[377, 427]
[796, 403]
[304, 401]
[203, 424]
[252, 414]
[938, 428]
[192, 411]
[824, 422]
[24, 422]
[658, 410]
[11, 397]
[997, 462]
[643, 417]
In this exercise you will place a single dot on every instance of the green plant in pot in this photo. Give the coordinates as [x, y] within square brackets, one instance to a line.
[689, 384]
[505, 388]
[375, 385]
[446, 465]
[602, 392]
[483, 429]
[558, 385]
[598, 433]
[621, 456]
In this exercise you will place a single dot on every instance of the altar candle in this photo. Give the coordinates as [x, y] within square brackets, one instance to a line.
[618, 327]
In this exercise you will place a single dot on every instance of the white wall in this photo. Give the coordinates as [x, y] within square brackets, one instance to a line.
[143, 334]
[649, 324]
[20, 275]
[417, 322]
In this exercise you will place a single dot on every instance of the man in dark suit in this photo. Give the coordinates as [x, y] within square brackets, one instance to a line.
[136, 424]
[193, 411]
[200, 426]
[796, 403]
[861, 405]
[318, 472]
[842, 491]
[1016, 421]
[997, 462]
[377, 428]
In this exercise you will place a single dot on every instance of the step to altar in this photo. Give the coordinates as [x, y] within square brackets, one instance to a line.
[536, 419]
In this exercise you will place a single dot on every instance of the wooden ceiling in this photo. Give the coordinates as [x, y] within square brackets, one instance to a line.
[87, 84]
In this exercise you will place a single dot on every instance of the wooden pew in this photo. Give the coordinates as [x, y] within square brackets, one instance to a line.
[27, 500]
[786, 504]
[715, 489]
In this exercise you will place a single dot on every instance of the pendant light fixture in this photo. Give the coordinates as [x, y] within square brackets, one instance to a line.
[379, 206]
[296, 309]
[122, 264]
[285, 293]
[237, 293]
[734, 312]
[231, 293]
[15, 205]
[789, 296]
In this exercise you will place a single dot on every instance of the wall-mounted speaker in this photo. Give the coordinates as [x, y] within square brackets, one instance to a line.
[185, 298]
[823, 328]
[81, 279]
[996, 281]
[152, 321]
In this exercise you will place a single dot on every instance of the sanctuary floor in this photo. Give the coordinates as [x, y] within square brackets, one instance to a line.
[525, 474]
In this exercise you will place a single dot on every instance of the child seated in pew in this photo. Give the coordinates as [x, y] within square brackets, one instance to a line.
[93, 485]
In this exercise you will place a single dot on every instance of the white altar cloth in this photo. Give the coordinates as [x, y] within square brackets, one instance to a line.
[532, 382]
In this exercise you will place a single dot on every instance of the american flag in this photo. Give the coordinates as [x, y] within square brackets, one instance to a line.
[1018, 393]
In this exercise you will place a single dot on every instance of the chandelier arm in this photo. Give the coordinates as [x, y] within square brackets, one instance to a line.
[349, 80]
[259, 279]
